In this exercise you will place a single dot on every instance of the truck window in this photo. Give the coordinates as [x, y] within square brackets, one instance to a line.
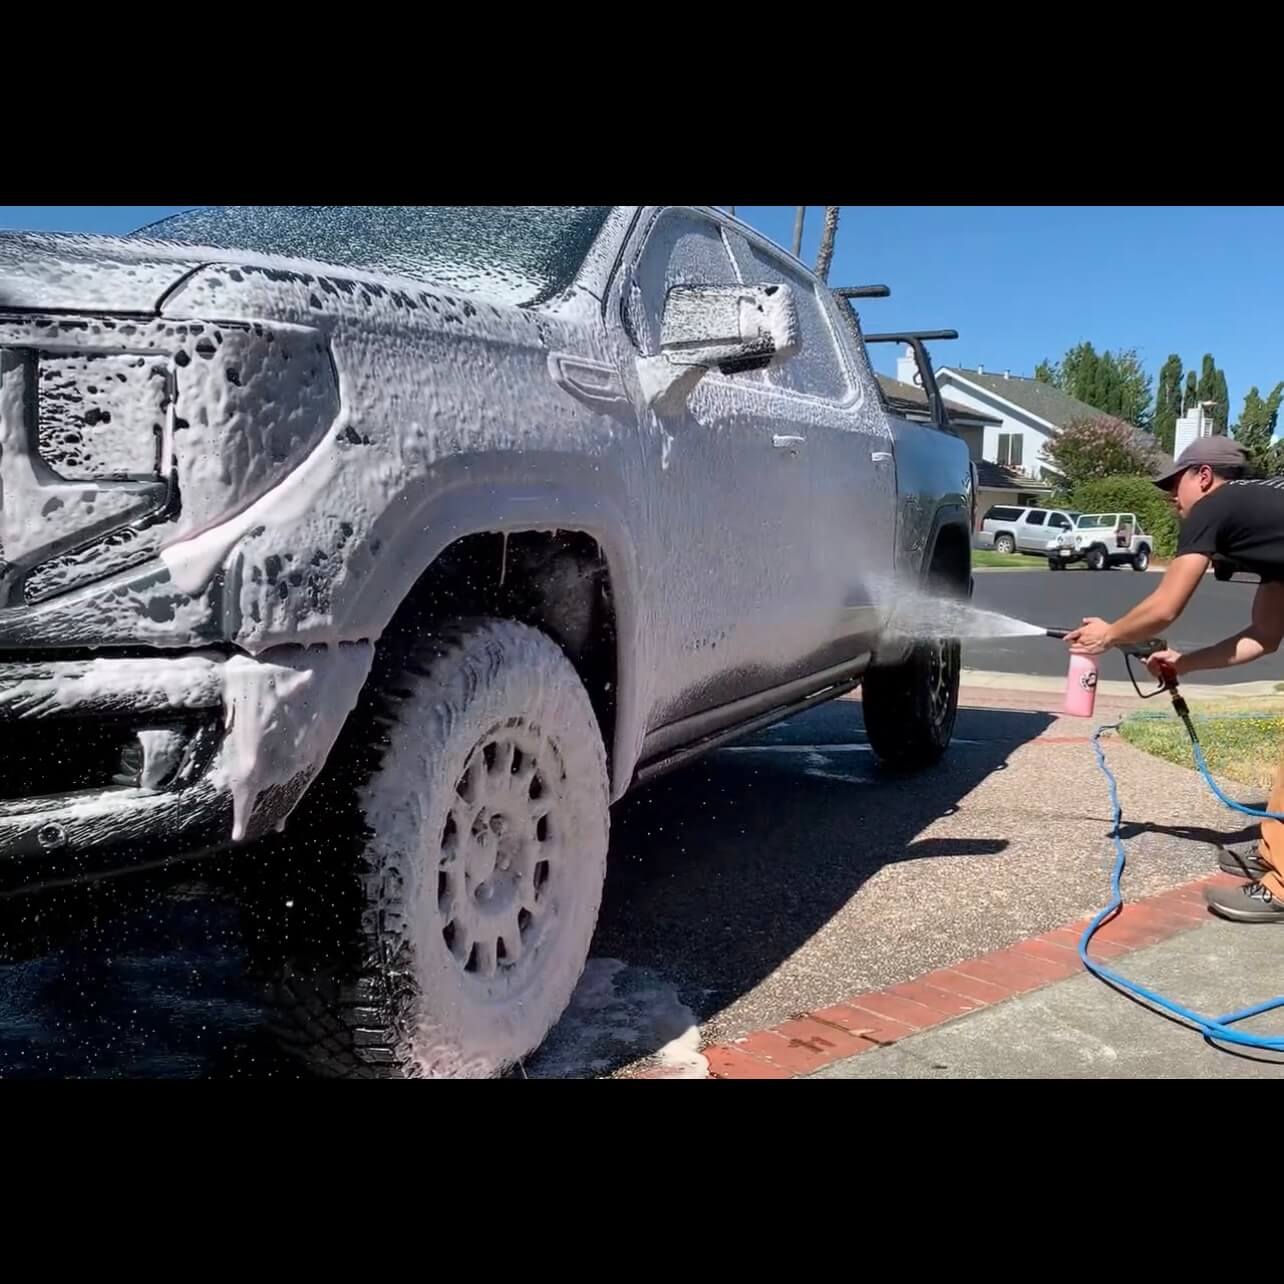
[1059, 520]
[682, 249]
[1035, 517]
[1000, 514]
[818, 370]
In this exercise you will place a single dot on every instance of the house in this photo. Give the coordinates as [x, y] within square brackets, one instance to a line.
[996, 483]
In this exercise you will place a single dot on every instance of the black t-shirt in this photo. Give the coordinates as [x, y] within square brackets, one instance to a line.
[1243, 520]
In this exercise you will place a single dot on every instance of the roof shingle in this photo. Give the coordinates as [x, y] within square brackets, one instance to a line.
[896, 391]
[1042, 399]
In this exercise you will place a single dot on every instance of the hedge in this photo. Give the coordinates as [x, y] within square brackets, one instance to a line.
[1131, 495]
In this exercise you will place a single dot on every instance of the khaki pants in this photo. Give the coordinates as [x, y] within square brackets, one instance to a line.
[1271, 846]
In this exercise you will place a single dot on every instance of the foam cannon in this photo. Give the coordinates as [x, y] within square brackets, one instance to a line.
[1081, 681]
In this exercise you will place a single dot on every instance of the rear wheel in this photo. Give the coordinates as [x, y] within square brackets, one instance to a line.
[1141, 559]
[910, 708]
[1004, 544]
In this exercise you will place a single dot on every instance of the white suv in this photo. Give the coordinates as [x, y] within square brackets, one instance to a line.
[1023, 530]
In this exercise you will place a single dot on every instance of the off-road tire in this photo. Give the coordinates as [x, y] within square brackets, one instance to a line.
[1141, 561]
[910, 708]
[1096, 559]
[461, 741]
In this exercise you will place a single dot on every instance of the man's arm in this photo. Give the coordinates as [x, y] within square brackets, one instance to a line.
[1151, 616]
[1262, 637]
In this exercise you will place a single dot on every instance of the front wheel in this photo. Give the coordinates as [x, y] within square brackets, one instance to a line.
[482, 803]
[1096, 559]
[1056, 564]
[1141, 560]
[910, 708]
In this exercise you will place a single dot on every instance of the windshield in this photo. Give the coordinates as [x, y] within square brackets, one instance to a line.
[521, 254]
[1098, 521]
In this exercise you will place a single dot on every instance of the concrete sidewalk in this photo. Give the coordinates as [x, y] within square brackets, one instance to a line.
[999, 990]
[1082, 1028]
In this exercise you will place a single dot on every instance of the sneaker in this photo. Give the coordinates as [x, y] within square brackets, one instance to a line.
[1242, 860]
[1251, 903]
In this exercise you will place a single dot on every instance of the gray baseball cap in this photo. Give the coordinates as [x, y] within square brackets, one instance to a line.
[1216, 451]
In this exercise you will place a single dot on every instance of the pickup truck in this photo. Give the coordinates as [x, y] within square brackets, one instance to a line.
[1102, 540]
[424, 534]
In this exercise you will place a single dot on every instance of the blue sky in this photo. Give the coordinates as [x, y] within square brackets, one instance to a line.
[1018, 283]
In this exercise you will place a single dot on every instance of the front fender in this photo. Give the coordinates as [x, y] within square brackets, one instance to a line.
[504, 493]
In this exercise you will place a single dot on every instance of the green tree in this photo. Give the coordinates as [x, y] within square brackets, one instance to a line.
[1103, 446]
[1113, 382]
[1167, 403]
[1212, 387]
[1132, 401]
[1191, 395]
[1207, 388]
[1221, 416]
[1256, 427]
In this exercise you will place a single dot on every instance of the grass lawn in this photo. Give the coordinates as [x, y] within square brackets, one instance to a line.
[1241, 739]
[1016, 561]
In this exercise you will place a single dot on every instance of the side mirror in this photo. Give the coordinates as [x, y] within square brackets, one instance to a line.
[724, 327]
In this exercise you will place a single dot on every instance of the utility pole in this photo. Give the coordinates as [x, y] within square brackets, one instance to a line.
[800, 212]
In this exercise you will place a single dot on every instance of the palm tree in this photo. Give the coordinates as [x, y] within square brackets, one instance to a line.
[827, 233]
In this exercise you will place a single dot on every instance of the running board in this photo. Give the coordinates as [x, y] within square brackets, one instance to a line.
[680, 757]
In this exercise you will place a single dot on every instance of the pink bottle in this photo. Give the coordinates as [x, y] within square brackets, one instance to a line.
[1081, 686]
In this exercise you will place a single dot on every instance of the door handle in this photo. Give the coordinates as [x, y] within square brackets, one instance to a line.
[881, 456]
[791, 444]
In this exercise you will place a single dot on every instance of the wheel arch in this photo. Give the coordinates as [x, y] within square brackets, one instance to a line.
[558, 556]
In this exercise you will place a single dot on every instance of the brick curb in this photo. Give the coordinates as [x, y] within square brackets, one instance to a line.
[880, 1018]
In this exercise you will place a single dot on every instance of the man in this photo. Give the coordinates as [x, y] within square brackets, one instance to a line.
[1221, 512]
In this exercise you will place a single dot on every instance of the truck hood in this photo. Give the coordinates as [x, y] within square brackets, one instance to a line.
[68, 272]
[39, 270]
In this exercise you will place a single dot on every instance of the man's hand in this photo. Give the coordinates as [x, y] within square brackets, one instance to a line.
[1091, 638]
[1163, 663]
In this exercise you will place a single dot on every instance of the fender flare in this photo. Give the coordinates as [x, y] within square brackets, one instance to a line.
[498, 505]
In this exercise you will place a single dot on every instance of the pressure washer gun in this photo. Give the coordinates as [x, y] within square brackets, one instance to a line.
[1081, 681]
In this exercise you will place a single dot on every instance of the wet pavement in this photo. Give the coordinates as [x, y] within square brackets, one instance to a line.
[1082, 1029]
[773, 877]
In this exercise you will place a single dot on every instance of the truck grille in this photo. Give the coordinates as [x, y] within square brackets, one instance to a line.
[101, 416]
[86, 427]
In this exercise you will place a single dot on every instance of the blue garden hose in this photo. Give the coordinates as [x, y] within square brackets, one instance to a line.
[1220, 1028]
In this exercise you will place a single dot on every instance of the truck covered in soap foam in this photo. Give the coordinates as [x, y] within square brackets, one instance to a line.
[416, 537]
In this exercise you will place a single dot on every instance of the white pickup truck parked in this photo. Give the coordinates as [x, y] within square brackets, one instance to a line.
[1100, 540]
